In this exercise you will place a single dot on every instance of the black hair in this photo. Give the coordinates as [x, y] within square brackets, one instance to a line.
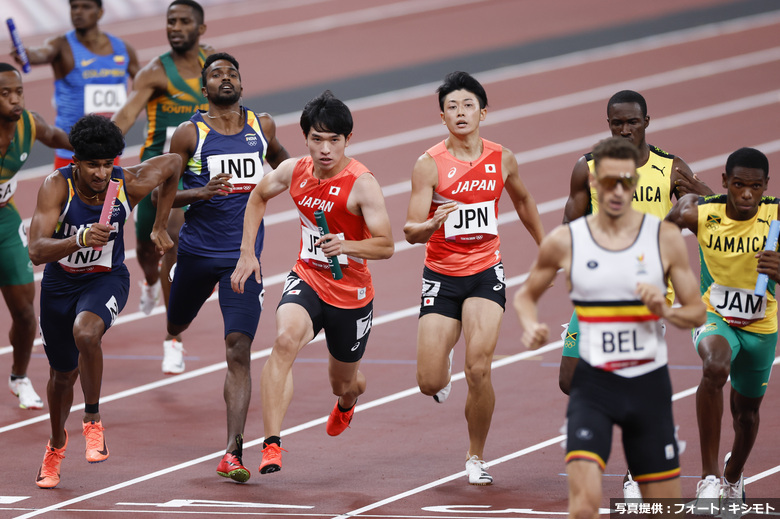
[95, 137]
[7, 67]
[628, 96]
[747, 158]
[216, 57]
[461, 81]
[325, 113]
[199, 15]
[615, 148]
[98, 2]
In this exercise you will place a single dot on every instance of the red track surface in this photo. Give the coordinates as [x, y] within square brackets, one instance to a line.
[403, 454]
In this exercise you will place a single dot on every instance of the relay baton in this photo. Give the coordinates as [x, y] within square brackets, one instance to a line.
[17, 41]
[771, 244]
[333, 261]
[108, 204]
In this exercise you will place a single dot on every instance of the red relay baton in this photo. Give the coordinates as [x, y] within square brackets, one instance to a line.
[108, 204]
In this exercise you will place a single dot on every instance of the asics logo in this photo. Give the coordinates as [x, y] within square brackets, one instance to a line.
[452, 172]
[356, 346]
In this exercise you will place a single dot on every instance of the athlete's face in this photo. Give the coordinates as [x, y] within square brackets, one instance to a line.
[626, 120]
[327, 150]
[84, 14]
[11, 96]
[223, 83]
[462, 113]
[615, 182]
[182, 28]
[93, 175]
[745, 187]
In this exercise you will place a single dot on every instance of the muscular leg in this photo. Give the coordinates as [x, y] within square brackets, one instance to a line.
[293, 332]
[436, 336]
[654, 492]
[88, 330]
[566, 373]
[347, 381]
[715, 353]
[19, 299]
[481, 322]
[175, 221]
[149, 260]
[584, 489]
[745, 419]
[59, 394]
[238, 385]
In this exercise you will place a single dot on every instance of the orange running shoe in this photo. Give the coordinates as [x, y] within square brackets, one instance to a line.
[232, 467]
[96, 442]
[49, 473]
[338, 421]
[272, 458]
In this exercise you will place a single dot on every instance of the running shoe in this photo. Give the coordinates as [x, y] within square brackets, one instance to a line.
[272, 459]
[708, 494]
[149, 297]
[476, 470]
[49, 473]
[231, 466]
[96, 442]
[733, 490]
[22, 388]
[444, 393]
[338, 421]
[173, 357]
[631, 490]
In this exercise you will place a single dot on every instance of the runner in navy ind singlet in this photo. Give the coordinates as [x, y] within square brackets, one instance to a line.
[223, 151]
[453, 209]
[359, 230]
[19, 129]
[169, 89]
[91, 69]
[85, 283]
[617, 264]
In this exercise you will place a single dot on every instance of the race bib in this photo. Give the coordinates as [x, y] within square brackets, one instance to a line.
[472, 223]
[313, 255]
[617, 345]
[168, 136]
[7, 190]
[104, 99]
[246, 169]
[738, 306]
[89, 260]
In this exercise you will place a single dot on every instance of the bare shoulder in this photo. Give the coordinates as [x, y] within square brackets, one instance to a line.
[151, 75]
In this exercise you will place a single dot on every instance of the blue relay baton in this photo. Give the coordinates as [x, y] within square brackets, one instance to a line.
[333, 261]
[771, 244]
[17, 41]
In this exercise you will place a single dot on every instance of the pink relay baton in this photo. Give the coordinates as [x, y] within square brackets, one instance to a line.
[108, 204]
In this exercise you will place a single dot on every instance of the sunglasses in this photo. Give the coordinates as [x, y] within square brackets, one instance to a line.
[627, 181]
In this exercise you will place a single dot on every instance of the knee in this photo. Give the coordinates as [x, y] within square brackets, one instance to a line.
[477, 374]
[285, 348]
[87, 339]
[237, 348]
[583, 510]
[426, 386]
[716, 372]
[62, 380]
[745, 418]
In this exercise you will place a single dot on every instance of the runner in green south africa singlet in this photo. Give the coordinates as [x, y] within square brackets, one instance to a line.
[15, 266]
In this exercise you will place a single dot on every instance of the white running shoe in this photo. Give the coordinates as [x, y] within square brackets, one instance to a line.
[22, 388]
[476, 470]
[734, 491]
[631, 490]
[444, 392]
[149, 297]
[708, 494]
[565, 431]
[173, 357]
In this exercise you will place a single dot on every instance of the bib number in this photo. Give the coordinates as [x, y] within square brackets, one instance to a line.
[104, 99]
[471, 223]
[738, 306]
[245, 169]
[615, 346]
[89, 260]
[7, 190]
[312, 254]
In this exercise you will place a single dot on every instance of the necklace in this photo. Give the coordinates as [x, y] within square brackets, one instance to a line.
[222, 115]
[93, 197]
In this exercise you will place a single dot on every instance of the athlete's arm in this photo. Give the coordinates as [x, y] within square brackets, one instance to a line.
[579, 192]
[554, 253]
[524, 203]
[149, 81]
[691, 312]
[275, 154]
[51, 136]
[367, 196]
[272, 184]
[685, 213]
[132, 66]
[42, 247]
[425, 178]
[46, 53]
[684, 181]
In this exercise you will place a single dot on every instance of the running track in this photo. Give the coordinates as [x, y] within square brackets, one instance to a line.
[711, 87]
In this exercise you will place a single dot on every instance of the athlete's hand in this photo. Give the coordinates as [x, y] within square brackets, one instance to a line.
[688, 182]
[97, 235]
[162, 240]
[653, 298]
[330, 245]
[218, 185]
[246, 266]
[441, 214]
[769, 264]
[536, 336]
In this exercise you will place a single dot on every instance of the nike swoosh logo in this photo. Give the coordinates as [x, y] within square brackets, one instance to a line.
[87, 62]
